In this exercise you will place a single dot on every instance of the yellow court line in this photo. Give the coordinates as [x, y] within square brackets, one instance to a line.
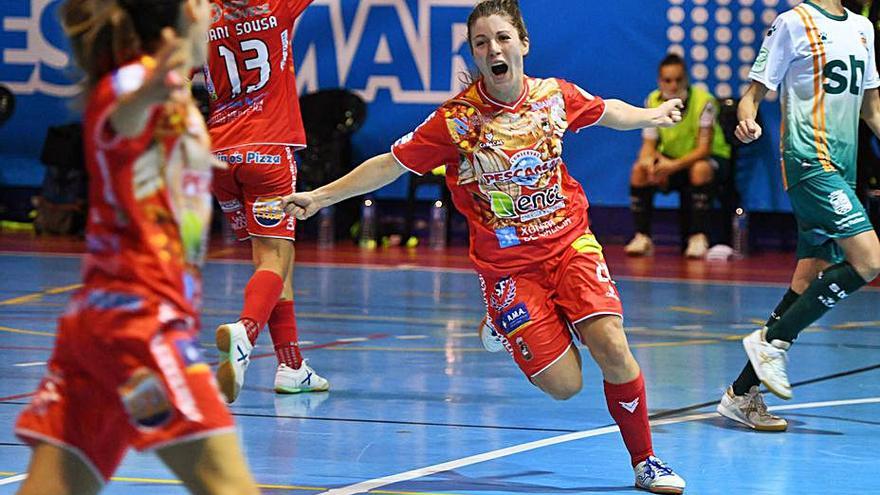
[26, 332]
[693, 311]
[159, 481]
[39, 295]
[7, 473]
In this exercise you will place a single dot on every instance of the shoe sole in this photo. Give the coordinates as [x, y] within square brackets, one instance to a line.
[754, 360]
[290, 391]
[674, 490]
[225, 374]
[733, 417]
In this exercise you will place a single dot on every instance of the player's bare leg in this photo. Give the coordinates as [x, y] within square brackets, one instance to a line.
[211, 466]
[56, 471]
[627, 401]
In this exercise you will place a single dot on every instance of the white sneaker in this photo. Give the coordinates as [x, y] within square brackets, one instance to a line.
[750, 410]
[489, 337]
[235, 356]
[291, 381]
[640, 245]
[769, 360]
[654, 475]
[698, 246]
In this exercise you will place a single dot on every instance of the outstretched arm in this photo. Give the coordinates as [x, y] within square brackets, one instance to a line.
[367, 177]
[748, 129]
[871, 110]
[623, 116]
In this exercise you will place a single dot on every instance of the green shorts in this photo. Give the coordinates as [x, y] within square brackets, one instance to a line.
[826, 208]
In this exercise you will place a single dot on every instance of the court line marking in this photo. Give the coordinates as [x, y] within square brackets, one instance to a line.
[26, 332]
[27, 365]
[470, 271]
[39, 295]
[371, 485]
[13, 479]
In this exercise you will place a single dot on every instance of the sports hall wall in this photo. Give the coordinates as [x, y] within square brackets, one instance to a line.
[404, 57]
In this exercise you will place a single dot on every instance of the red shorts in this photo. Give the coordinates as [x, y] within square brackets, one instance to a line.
[534, 310]
[126, 371]
[250, 189]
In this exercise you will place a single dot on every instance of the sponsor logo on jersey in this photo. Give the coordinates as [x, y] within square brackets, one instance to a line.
[507, 237]
[505, 293]
[262, 158]
[268, 211]
[524, 349]
[840, 202]
[103, 300]
[230, 206]
[145, 399]
[527, 207]
[513, 319]
[526, 169]
[864, 39]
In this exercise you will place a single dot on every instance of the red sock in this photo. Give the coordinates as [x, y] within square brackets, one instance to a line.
[260, 296]
[282, 326]
[628, 405]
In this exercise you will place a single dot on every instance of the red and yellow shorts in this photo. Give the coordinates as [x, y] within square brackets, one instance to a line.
[126, 372]
[535, 310]
[250, 189]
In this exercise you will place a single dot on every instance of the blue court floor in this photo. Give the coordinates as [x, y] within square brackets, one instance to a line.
[418, 408]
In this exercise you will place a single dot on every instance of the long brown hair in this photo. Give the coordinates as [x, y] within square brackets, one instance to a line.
[504, 8]
[105, 34]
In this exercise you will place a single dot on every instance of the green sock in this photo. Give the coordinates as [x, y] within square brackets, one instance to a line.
[830, 287]
[747, 377]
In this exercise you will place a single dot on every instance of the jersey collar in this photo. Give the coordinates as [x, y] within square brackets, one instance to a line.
[507, 106]
[828, 14]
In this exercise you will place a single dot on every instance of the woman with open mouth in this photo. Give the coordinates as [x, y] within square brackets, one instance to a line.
[542, 270]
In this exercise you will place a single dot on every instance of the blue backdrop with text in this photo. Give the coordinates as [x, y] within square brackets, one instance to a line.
[404, 57]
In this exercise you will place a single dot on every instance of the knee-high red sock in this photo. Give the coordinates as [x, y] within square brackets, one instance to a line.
[260, 296]
[628, 405]
[282, 327]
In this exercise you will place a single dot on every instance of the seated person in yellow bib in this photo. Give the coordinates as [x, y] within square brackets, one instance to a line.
[685, 157]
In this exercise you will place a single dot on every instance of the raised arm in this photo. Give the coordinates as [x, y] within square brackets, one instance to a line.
[748, 129]
[132, 113]
[367, 177]
[622, 116]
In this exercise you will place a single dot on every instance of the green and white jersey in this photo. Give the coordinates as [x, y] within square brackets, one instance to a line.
[824, 63]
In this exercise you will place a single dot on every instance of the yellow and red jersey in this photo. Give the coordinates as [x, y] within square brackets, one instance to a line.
[149, 197]
[250, 74]
[505, 170]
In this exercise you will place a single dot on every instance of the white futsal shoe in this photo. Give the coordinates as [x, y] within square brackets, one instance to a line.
[489, 337]
[304, 379]
[750, 410]
[769, 360]
[654, 475]
[640, 245]
[235, 356]
[697, 247]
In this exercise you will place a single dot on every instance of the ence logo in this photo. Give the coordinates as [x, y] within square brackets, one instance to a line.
[268, 212]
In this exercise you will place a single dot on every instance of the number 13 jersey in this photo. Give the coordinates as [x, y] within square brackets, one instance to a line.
[250, 75]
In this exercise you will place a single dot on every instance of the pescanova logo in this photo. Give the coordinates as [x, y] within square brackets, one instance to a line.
[526, 169]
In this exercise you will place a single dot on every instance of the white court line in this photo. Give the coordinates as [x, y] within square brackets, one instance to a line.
[25, 365]
[367, 486]
[352, 339]
[13, 479]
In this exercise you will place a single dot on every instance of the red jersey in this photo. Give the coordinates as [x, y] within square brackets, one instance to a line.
[149, 198]
[505, 170]
[250, 76]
